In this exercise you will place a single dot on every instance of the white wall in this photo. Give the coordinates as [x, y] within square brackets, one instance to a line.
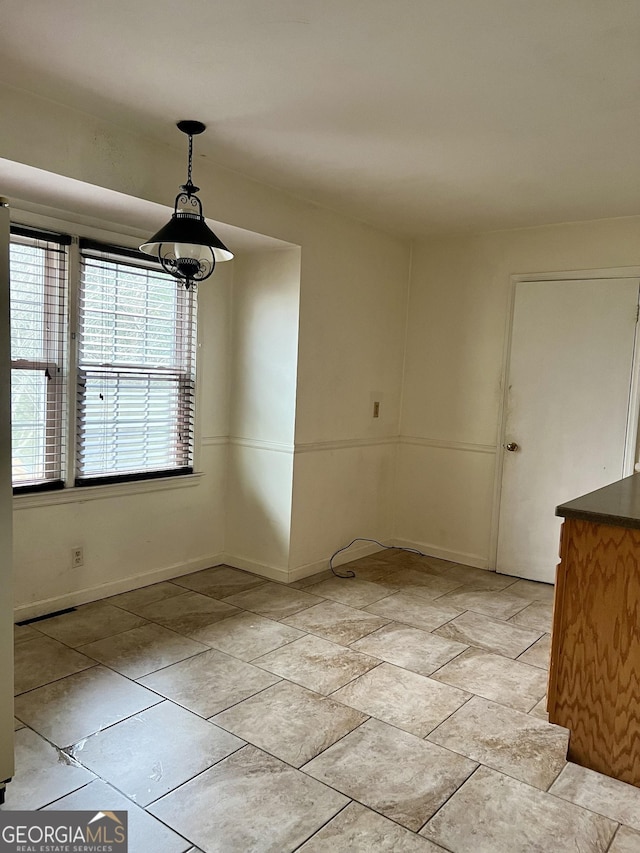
[128, 536]
[458, 307]
[352, 327]
[351, 317]
[264, 358]
[266, 304]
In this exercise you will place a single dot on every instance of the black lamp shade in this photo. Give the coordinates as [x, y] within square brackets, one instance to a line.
[186, 229]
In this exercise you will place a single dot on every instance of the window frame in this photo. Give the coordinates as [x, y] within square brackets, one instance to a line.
[56, 327]
[185, 377]
[67, 490]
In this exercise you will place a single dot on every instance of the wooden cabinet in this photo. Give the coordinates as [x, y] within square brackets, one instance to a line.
[594, 681]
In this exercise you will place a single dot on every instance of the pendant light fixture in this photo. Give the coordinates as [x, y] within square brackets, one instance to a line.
[186, 247]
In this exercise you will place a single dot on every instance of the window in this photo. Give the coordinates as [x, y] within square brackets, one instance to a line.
[131, 375]
[136, 362]
[38, 358]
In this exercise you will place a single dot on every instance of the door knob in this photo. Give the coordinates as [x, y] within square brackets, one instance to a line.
[512, 446]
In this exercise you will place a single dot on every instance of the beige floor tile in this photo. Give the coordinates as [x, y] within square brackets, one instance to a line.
[413, 610]
[626, 841]
[247, 635]
[401, 698]
[498, 605]
[540, 710]
[477, 579]
[410, 648]
[533, 590]
[43, 773]
[79, 705]
[142, 650]
[600, 793]
[376, 574]
[220, 581]
[505, 681]
[42, 660]
[153, 752]
[420, 582]
[493, 813]
[395, 773]
[493, 635]
[352, 591]
[89, 622]
[393, 555]
[290, 722]
[249, 802]
[17, 724]
[146, 834]
[21, 633]
[514, 743]
[209, 683]
[316, 663]
[310, 580]
[336, 622]
[274, 600]
[359, 830]
[539, 653]
[310, 729]
[367, 569]
[436, 564]
[538, 615]
[381, 557]
[408, 558]
[137, 598]
[186, 614]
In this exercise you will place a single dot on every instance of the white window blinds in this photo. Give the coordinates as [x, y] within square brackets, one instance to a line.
[38, 358]
[136, 369]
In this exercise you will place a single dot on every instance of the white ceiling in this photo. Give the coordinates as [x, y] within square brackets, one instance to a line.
[419, 116]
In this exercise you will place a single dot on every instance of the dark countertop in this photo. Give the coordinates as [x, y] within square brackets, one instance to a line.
[617, 504]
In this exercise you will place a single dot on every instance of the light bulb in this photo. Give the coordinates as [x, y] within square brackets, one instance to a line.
[193, 250]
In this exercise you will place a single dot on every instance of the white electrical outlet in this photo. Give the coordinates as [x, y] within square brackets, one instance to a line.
[77, 557]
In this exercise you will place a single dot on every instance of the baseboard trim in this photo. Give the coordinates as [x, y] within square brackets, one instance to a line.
[475, 560]
[354, 553]
[264, 570]
[274, 573]
[94, 593]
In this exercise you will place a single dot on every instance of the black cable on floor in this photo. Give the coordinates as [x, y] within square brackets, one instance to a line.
[352, 574]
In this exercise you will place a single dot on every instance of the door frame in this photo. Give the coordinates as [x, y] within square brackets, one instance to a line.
[633, 416]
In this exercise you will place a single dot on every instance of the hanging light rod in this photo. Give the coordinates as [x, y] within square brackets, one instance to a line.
[186, 247]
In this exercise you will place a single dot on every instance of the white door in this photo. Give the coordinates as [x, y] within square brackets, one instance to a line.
[567, 414]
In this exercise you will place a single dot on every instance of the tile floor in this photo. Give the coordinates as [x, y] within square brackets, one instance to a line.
[399, 711]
